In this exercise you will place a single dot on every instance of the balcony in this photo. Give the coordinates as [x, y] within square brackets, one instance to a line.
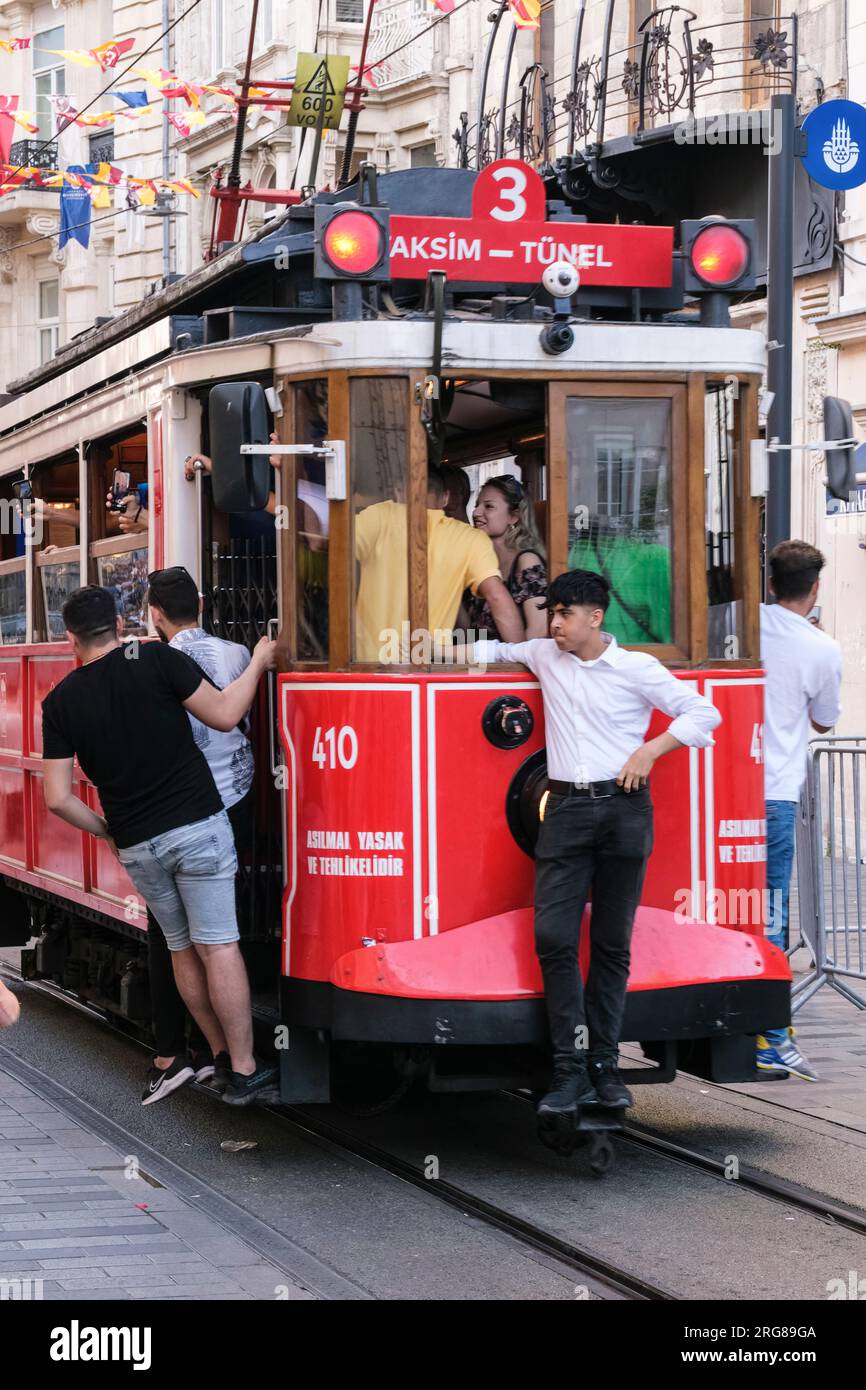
[396, 22]
[34, 154]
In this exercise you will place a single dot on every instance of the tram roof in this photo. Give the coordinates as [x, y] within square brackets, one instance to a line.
[244, 276]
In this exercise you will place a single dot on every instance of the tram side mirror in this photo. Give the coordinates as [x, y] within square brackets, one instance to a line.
[238, 414]
[840, 463]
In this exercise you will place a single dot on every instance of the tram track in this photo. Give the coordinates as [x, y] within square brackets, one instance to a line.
[602, 1278]
[777, 1189]
[605, 1279]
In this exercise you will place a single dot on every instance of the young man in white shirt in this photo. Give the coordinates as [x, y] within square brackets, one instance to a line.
[175, 608]
[804, 674]
[597, 832]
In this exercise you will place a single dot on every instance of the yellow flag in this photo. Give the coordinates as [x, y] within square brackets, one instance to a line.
[75, 55]
[100, 197]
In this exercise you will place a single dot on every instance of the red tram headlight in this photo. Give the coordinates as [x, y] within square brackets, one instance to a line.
[351, 242]
[718, 255]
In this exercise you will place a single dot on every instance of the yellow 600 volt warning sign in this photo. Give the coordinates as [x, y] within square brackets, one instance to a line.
[320, 81]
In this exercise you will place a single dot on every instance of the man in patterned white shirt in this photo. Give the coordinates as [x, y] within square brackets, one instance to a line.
[175, 608]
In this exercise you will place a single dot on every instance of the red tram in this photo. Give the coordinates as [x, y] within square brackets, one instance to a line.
[387, 919]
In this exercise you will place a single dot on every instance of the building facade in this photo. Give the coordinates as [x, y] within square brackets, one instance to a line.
[442, 93]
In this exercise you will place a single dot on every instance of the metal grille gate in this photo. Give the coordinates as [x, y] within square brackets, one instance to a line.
[240, 598]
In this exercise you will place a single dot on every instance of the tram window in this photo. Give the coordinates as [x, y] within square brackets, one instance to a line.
[13, 602]
[56, 543]
[13, 584]
[105, 460]
[724, 613]
[311, 520]
[619, 499]
[118, 550]
[379, 460]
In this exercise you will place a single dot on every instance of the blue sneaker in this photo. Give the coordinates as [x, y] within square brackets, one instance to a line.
[783, 1059]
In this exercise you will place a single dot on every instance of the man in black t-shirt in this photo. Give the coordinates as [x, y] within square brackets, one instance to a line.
[163, 816]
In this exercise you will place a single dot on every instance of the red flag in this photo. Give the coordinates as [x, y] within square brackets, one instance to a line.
[7, 126]
[108, 55]
[446, 6]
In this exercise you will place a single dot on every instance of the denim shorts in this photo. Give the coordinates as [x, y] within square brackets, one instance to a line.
[187, 878]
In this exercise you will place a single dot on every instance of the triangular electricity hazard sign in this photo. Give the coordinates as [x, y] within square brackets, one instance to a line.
[320, 83]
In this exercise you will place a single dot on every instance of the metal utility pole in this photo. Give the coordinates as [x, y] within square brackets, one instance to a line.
[780, 312]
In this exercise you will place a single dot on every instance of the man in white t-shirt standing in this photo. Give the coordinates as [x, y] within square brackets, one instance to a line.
[175, 608]
[804, 673]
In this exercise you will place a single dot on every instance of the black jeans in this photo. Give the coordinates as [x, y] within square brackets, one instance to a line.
[168, 1011]
[586, 849]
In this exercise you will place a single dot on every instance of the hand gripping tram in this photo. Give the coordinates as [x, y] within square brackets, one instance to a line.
[386, 904]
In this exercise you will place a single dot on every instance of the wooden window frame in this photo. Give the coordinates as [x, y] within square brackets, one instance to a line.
[690, 637]
[686, 392]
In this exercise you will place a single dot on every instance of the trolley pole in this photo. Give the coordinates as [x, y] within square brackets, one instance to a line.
[780, 312]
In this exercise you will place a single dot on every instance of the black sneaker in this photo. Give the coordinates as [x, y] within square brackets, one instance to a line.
[203, 1066]
[160, 1084]
[610, 1086]
[570, 1088]
[242, 1090]
[222, 1073]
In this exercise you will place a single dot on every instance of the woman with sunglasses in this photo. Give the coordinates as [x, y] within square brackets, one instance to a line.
[503, 510]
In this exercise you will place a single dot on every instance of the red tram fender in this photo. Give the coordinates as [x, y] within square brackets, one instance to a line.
[495, 959]
[404, 878]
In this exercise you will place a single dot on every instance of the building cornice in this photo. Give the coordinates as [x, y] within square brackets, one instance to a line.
[849, 327]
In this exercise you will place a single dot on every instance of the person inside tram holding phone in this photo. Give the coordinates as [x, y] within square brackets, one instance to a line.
[597, 830]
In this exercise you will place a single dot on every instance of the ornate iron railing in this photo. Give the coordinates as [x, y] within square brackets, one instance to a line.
[658, 80]
[102, 148]
[396, 23]
[33, 154]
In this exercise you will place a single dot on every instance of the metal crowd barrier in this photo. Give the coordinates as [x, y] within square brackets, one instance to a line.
[831, 868]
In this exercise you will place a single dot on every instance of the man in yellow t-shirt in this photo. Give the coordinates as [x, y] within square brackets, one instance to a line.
[458, 558]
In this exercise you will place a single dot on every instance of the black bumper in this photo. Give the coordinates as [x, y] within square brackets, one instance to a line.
[729, 1008]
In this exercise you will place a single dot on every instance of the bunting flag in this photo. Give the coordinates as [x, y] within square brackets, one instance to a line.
[181, 186]
[446, 6]
[75, 55]
[27, 119]
[108, 55]
[13, 45]
[366, 77]
[8, 107]
[100, 196]
[184, 124]
[172, 86]
[525, 13]
[132, 99]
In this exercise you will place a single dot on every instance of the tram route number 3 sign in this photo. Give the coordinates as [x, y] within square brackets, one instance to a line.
[320, 82]
[508, 239]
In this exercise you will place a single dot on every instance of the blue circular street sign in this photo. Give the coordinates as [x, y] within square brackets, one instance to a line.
[836, 142]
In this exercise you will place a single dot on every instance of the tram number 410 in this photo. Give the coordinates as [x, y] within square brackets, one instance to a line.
[335, 747]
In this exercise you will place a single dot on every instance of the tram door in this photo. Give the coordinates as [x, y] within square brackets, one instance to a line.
[239, 567]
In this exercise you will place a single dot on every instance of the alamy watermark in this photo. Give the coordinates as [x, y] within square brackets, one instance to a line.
[732, 128]
[21, 518]
[419, 646]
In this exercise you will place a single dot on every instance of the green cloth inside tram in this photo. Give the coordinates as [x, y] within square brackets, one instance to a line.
[639, 573]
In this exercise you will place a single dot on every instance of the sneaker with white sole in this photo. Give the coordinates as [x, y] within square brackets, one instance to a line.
[783, 1059]
[160, 1083]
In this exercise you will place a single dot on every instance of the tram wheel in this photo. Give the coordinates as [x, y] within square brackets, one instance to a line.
[600, 1155]
[366, 1080]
